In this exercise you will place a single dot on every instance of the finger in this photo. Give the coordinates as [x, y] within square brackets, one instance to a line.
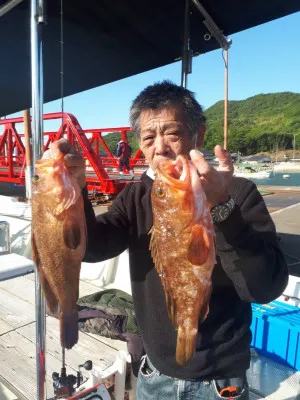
[47, 154]
[200, 163]
[60, 146]
[74, 160]
[224, 157]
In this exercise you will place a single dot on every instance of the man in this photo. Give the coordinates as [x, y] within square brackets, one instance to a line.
[250, 267]
[124, 153]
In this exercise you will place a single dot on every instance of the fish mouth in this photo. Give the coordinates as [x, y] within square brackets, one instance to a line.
[174, 172]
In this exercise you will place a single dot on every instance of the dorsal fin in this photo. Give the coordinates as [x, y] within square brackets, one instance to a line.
[170, 302]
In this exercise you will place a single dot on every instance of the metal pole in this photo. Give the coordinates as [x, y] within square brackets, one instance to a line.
[226, 101]
[186, 59]
[8, 6]
[37, 18]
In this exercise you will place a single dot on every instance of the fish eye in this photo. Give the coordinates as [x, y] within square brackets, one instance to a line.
[159, 192]
[35, 179]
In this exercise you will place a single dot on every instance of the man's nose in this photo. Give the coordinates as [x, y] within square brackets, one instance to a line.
[161, 147]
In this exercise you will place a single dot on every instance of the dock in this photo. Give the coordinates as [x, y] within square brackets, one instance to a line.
[284, 207]
[17, 342]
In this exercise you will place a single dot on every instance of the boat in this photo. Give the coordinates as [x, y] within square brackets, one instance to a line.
[252, 172]
[287, 166]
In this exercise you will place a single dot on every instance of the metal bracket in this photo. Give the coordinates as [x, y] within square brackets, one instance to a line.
[8, 6]
[214, 30]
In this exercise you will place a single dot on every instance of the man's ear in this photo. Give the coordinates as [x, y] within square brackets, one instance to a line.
[200, 140]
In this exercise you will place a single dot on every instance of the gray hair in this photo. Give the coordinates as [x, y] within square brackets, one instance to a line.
[165, 94]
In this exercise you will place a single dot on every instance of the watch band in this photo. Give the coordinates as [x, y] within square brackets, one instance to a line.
[217, 211]
[230, 203]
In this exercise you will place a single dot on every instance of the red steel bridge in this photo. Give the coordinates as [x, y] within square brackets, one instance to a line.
[102, 171]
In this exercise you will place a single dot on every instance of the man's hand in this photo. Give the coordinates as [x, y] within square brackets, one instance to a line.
[74, 162]
[215, 181]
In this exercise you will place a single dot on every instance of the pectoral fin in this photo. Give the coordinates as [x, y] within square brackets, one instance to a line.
[71, 233]
[170, 303]
[198, 249]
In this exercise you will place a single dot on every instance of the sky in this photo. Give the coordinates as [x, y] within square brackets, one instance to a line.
[264, 59]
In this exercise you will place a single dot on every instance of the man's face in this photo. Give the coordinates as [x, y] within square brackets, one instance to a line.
[164, 135]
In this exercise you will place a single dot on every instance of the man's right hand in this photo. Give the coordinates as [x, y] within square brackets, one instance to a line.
[74, 162]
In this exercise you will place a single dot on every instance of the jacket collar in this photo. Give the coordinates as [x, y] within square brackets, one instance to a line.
[148, 177]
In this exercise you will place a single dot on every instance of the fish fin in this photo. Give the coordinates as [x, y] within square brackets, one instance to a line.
[71, 233]
[68, 329]
[186, 345]
[170, 302]
[198, 249]
[205, 304]
[52, 302]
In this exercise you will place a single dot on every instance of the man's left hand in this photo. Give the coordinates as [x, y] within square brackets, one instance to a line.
[215, 181]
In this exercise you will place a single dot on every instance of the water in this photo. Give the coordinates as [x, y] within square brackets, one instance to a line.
[277, 179]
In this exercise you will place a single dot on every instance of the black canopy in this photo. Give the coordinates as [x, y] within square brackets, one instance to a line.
[107, 40]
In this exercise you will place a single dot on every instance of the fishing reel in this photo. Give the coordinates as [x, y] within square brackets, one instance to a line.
[73, 387]
[65, 385]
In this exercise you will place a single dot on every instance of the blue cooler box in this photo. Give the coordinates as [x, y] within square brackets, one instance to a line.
[276, 332]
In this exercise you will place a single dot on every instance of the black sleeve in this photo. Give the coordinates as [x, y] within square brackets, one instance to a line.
[248, 248]
[107, 234]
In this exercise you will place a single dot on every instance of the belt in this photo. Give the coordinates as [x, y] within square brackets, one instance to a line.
[230, 386]
[226, 387]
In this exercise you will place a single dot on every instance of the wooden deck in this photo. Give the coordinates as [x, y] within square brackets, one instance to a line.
[17, 340]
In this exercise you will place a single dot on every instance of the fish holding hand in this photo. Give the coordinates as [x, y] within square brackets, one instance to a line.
[183, 249]
[58, 240]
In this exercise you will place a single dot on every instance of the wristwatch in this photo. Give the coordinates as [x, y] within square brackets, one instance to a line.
[221, 211]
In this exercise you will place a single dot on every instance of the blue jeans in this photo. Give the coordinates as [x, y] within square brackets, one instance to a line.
[152, 385]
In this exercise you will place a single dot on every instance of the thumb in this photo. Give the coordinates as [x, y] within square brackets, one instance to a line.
[224, 157]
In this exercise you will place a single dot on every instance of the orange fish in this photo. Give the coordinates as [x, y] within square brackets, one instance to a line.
[183, 249]
[58, 241]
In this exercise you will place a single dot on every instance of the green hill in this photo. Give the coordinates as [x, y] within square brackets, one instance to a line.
[259, 123]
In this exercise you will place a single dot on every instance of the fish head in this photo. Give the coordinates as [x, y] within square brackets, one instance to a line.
[173, 193]
[54, 185]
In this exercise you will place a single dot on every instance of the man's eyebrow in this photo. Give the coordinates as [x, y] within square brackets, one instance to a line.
[171, 125]
[148, 130]
[164, 127]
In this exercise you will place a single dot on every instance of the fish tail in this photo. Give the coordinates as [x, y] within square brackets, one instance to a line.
[186, 344]
[68, 329]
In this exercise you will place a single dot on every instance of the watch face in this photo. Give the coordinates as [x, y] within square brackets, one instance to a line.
[220, 213]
